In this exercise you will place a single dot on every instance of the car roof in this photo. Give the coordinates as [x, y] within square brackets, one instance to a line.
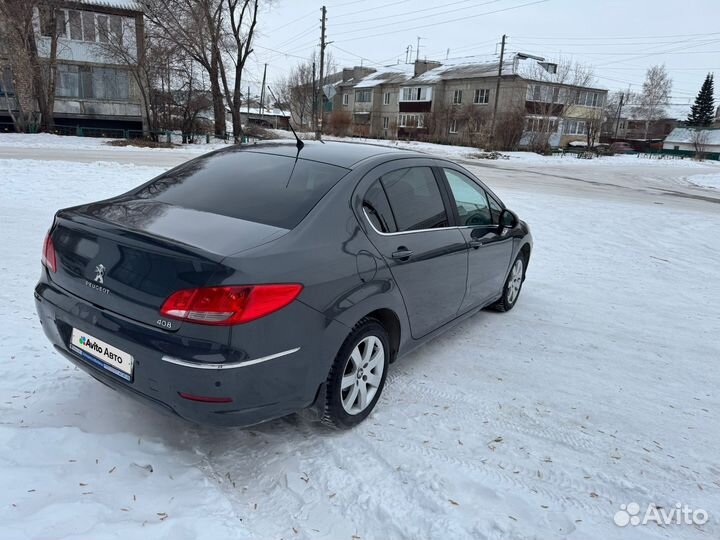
[341, 154]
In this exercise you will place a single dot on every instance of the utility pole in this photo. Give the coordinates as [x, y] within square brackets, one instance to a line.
[497, 88]
[617, 120]
[248, 102]
[262, 94]
[314, 101]
[319, 122]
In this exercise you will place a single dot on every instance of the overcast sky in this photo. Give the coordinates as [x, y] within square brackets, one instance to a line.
[619, 38]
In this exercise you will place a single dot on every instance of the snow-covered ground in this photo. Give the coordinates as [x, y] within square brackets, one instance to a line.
[705, 180]
[599, 389]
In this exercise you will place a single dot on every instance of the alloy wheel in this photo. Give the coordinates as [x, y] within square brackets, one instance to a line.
[515, 281]
[362, 375]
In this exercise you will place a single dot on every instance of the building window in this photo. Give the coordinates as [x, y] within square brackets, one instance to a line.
[88, 20]
[363, 96]
[386, 98]
[386, 122]
[411, 121]
[482, 96]
[589, 99]
[75, 25]
[85, 82]
[545, 94]
[6, 84]
[539, 124]
[457, 97]
[346, 99]
[576, 127]
[453, 125]
[416, 94]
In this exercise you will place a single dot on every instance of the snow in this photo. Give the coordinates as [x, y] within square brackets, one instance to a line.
[48, 140]
[705, 180]
[597, 390]
[686, 136]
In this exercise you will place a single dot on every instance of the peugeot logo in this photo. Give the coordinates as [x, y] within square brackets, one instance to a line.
[99, 274]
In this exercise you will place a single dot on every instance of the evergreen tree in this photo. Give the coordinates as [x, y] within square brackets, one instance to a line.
[703, 112]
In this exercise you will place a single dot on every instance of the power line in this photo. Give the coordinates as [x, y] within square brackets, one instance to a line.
[451, 20]
[403, 15]
[423, 17]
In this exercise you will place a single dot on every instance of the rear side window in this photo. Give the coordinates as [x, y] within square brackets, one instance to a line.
[377, 209]
[415, 199]
[264, 188]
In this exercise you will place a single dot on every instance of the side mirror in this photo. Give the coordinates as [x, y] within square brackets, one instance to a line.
[508, 219]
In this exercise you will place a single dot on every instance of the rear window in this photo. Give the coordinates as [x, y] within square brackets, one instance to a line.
[262, 188]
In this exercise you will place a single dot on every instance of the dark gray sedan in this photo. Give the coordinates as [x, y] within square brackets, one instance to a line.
[258, 281]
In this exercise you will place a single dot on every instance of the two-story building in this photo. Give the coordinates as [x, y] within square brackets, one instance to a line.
[94, 86]
[456, 103]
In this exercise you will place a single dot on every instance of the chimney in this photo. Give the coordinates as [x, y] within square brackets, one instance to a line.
[359, 72]
[347, 74]
[421, 66]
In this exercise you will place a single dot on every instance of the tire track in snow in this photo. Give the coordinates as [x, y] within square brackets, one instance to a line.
[488, 415]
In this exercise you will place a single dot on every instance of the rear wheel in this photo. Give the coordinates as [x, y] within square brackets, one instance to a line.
[358, 375]
[513, 285]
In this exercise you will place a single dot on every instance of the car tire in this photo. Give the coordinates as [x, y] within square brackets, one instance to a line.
[513, 285]
[357, 377]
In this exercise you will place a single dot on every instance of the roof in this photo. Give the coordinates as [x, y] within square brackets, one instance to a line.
[685, 136]
[342, 154]
[394, 75]
[463, 71]
[130, 5]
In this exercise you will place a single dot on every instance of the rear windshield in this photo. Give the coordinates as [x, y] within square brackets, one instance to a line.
[246, 185]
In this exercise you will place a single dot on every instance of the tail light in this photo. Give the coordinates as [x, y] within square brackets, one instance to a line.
[48, 254]
[229, 305]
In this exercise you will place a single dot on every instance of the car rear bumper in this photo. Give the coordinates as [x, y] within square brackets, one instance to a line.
[260, 386]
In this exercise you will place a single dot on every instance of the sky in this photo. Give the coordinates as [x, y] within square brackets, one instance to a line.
[619, 39]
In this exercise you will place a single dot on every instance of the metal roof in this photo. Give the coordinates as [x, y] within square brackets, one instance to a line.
[130, 5]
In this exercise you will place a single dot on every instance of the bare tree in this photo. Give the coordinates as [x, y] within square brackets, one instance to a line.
[699, 139]
[33, 63]
[242, 15]
[218, 34]
[553, 97]
[296, 91]
[654, 97]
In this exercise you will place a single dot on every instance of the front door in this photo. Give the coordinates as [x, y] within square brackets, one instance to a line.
[490, 247]
[427, 258]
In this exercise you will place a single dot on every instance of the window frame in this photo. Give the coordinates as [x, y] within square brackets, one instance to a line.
[484, 93]
[387, 96]
[457, 97]
[346, 99]
[437, 167]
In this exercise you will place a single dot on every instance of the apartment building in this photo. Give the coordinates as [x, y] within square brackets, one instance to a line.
[455, 103]
[94, 87]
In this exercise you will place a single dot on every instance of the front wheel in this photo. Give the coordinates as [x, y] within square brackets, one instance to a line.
[513, 285]
[357, 377]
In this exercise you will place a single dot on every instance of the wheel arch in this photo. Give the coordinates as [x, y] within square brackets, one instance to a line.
[391, 323]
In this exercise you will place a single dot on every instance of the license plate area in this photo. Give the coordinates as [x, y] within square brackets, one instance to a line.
[102, 354]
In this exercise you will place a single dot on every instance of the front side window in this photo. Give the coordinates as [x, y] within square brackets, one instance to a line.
[470, 199]
[415, 199]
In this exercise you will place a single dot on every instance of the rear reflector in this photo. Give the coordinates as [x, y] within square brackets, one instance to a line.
[235, 304]
[48, 254]
[205, 399]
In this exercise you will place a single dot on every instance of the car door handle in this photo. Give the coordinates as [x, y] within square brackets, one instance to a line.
[402, 254]
[475, 243]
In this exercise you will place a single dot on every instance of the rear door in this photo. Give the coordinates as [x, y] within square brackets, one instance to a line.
[411, 229]
[477, 214]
